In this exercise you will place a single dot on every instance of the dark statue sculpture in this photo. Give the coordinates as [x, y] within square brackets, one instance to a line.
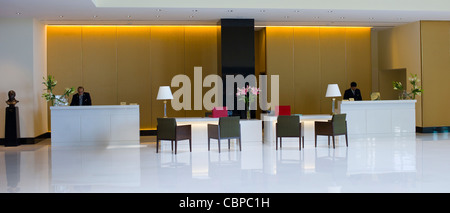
[12, 99]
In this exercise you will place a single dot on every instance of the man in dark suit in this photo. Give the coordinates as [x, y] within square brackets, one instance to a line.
[353, 92]
[81, 98]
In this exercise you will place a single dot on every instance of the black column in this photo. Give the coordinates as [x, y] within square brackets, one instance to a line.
[237, 52]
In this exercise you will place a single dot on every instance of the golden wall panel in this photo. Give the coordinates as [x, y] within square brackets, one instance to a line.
[64, 56]
[332, 63]
[200, 51]
[280, 61]
[399, 48]
[307, 76]
[128, 64]
[309, 58]
[358, 60]
[100, 64]
[166, 61]
[133, 70]
[435, 39]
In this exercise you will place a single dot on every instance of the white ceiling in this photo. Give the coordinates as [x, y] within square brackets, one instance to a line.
[380, 13]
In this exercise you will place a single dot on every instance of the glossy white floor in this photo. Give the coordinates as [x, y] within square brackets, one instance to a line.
[379, 163]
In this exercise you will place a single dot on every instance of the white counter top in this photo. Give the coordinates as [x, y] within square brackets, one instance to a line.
[98, 107]
[379, 102]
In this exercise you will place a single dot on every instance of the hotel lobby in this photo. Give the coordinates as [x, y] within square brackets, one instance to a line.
[143, 96]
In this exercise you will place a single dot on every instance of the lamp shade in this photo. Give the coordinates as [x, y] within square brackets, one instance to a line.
[164, 93]
[333, 91]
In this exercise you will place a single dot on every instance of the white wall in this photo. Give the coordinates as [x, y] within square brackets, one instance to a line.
[22, 66]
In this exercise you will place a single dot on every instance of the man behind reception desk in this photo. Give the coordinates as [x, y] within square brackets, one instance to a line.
[353, 92]
[81, 98]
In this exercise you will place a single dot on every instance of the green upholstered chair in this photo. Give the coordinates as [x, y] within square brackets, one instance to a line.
[289, 126]
[336, 126]
[228, 128]
[167, 129]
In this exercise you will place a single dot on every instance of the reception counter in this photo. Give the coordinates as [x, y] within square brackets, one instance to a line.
[389, 116]
[95, 125]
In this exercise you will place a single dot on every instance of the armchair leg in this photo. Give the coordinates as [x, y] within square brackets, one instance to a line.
[228, 144]
[190, 144]
[240, 146]
[315, 140]
[219, 144]
[300, 143]
[171, 144]
[157, 144]
[276, 143]
[333, 141]
[281, 142]
[209, 140]
[328, 141]
[303, 139]
[176, 142]
[346, 140]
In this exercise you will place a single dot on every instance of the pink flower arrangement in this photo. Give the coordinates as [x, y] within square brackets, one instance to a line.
[252, 92]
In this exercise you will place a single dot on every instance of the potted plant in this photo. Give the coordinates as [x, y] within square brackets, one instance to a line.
[50, 84]
[415, 90]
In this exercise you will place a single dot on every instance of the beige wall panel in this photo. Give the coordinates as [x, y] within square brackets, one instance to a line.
[307, 78]
[166, 61]
[64, 56]
[133, 70]
[280, 61]
[399, 48]
[332, 63]
[435, 73]
[200, 50]
[358, 57]
[100, 64]
[386, 78]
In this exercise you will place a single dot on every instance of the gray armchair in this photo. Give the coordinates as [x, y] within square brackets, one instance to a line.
[334, 127]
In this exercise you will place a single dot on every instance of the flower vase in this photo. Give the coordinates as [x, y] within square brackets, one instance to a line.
[248, 114]
[404, 95]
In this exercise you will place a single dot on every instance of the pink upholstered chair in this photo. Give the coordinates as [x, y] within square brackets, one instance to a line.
[218, 112]
[282, 110]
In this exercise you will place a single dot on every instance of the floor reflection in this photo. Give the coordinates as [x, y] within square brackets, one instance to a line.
[371, 163]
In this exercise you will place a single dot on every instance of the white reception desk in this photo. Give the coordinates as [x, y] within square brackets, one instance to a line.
[389, 116]
[95, 125]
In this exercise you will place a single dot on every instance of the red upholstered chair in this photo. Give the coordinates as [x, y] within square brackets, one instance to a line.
[218, 112]
[282, 110]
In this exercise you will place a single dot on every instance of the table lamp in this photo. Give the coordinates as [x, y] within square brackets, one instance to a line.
[332, 92]
[165, 94]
